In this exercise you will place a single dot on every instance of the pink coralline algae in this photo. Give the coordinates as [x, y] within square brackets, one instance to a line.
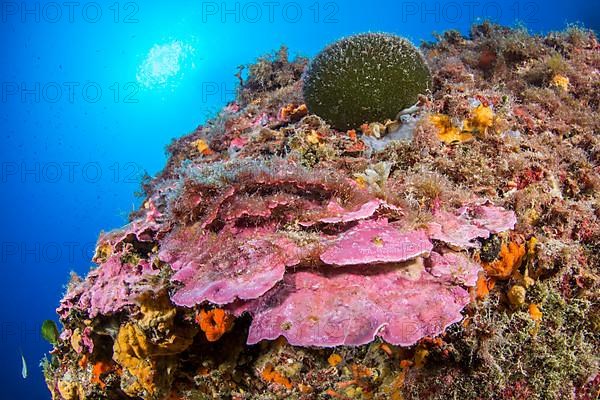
[460, 229]
[272, 244]
[494, 219]
[352, 307]
[455, 230]
[86, 340]
[318, 260]
[376, 241]
[365, 211]
[110, 287]
[143, 228]
[454, 267]
[221, 268]
[118, 280]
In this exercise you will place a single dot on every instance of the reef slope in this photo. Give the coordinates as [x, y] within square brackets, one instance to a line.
[451, 254]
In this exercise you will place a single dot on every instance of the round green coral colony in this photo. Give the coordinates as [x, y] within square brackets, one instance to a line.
[365, 78]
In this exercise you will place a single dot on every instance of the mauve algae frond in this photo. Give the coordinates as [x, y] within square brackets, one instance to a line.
[225, 267]
[353, 306]
[376, 241]
[460, 229]
[110, 287]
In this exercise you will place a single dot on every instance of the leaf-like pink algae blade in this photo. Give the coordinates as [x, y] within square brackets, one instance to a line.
[376, 241]
[352, 306]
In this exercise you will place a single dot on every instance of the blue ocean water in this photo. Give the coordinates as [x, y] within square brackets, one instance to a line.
[92, 92]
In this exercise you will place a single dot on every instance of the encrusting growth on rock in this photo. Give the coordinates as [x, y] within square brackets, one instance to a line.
[214, 323]
[270, 375]
[509, 260]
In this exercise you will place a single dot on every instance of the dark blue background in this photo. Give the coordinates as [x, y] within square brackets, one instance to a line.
[70, 165]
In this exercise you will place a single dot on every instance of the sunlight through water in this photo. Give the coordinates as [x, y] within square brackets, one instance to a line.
[165, 65]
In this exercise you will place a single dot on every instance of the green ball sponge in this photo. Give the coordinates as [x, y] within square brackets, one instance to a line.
[365, 78]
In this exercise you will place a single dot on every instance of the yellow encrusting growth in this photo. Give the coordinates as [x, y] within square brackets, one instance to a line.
[70, 390]
[535, 313]
[145, 360]
[313, 137]
[103, 252]
[334, 359]
[447, 132]
[132, 351]
[516, 295]
[482, 118]
[420, 357]
[293, 112]
[202, 147]
[561, 82]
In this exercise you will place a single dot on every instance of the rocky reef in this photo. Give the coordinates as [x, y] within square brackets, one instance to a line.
[452, 252]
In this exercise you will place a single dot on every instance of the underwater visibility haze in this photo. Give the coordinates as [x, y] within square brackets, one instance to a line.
[300, 200]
